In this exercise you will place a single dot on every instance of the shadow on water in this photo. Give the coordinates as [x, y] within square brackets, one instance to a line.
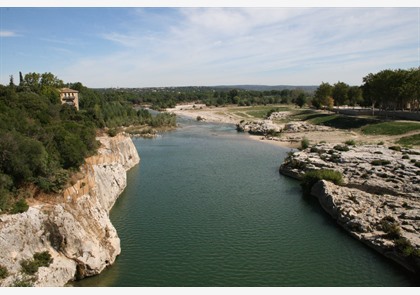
[313, 204]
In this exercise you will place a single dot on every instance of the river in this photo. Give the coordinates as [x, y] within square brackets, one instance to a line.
[207, 207]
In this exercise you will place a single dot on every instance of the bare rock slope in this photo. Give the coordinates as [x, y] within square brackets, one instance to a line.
[74, 226]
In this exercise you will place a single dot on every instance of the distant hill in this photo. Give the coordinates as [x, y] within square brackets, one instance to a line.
[308, 88]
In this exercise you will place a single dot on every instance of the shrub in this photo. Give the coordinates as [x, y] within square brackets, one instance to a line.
[304, 144]
[390, 226]
[30, 266]
[350, 142]
[22, 283]
[3, 272]
[112, 132]
[341, 148]
[406, 248]
[395, 148]
[313, 176]
[20, 207]
[405, 157]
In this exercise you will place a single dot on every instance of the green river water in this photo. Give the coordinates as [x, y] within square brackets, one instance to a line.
[207, 207]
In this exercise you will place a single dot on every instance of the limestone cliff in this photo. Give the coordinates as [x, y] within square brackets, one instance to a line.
[74, 226]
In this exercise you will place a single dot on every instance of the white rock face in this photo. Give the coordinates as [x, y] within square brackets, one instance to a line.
[379, 202]
[74, 227]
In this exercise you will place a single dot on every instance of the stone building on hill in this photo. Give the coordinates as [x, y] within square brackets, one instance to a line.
[70, 97]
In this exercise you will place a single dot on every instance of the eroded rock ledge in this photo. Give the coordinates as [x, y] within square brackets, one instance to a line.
[379, 203]
[74, 226]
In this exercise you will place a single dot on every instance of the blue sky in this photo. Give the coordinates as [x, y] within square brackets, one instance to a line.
[180, 46]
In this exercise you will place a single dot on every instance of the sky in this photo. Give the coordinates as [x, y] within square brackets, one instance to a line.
[206, 45]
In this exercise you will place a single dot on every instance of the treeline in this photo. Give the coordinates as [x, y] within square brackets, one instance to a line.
[388, 90]
[42, 142]
[162, 98]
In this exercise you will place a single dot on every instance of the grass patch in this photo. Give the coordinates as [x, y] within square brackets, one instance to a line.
[409, 140]
[390, 128]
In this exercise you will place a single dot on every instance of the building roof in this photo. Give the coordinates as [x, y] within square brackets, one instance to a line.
[68, 90]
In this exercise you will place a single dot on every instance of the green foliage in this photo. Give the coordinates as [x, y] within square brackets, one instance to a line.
[391, 89]
[313, 176]
[23, 283]
[3, 272]
[304, 143]
[389, 225]
[112, 132]
[40, 259]
[350, 142]
[20, 206]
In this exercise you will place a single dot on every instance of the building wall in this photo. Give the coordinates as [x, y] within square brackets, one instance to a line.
[67, 93]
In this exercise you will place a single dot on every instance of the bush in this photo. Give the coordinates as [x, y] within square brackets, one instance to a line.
[304, 144]
[390, 227]
[20, 207]
[406, 248]
[395, 148]
[350, 142]
[313, 176]
[112, 132]
[23, 283]
[30, 266]
[3, 272]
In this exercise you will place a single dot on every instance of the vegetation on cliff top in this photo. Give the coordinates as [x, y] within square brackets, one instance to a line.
[42, 142]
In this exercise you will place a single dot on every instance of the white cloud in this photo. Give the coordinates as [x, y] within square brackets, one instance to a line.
[208, 46]
[4, 34]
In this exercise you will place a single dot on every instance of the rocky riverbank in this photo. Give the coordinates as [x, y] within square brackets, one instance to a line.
[73, 226]
[379, 200]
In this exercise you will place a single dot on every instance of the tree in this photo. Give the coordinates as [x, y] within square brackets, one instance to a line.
[20, 79]
[354, 95]
[301, 100]
[340, 93]
[322, 94]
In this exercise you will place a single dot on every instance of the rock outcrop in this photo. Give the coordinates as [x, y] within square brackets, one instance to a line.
[263, 127]
[379, 202]
[73, 226]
